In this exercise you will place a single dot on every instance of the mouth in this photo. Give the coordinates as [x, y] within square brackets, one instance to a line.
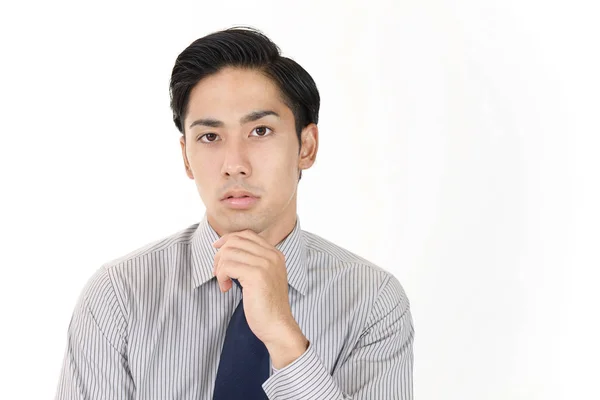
[237, 194]
[239, 202]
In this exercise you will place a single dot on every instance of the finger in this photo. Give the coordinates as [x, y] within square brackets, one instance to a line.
[245, 234]
[242, 243]
[237, 245]
[255, 237]
[232, 270]
[223, 280]
[225, 285]
[249, 252]
[242, 256]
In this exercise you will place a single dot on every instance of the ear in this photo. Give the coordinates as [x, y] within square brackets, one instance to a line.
[310, 145]
[186, 163]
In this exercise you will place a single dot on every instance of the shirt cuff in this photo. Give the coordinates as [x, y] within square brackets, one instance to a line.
[304, 378]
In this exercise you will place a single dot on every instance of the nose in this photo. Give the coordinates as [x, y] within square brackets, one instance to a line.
[236, 159]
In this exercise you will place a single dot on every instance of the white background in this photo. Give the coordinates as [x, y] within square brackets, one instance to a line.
[461, 136]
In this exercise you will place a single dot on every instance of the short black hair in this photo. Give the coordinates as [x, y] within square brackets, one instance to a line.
[243, 47]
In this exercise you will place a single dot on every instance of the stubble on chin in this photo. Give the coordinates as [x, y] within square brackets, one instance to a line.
[237, 221]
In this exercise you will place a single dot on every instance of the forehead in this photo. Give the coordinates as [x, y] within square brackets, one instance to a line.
[232, 92]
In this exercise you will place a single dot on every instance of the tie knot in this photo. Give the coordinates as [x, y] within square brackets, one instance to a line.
[237, 283]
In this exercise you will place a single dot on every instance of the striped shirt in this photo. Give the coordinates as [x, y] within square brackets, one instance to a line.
[151, 324]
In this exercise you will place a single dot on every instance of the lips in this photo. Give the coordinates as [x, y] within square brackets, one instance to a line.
[239, 202]
[237, 194]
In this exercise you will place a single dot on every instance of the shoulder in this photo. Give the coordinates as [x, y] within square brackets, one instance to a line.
[151, 262]
[120, 277]
[336, 262]
[332, 256]
[171, 242]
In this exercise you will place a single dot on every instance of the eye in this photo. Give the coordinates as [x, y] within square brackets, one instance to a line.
[208, 137]
[261, 131]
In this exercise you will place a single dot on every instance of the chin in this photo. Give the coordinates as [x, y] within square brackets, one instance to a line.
[235, 221]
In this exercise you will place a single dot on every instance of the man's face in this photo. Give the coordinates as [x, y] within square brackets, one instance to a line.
[240, 135]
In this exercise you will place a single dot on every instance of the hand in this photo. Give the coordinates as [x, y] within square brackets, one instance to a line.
[260, 269]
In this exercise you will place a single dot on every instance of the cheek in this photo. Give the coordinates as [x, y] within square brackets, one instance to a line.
[206, 174]
[278, 169]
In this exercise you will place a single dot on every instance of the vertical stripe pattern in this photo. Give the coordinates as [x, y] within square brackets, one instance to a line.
[151, 325]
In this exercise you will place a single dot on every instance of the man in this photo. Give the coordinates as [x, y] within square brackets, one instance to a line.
[243, 304]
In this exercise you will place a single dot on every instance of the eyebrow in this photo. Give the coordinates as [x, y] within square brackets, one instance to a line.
[215, 123]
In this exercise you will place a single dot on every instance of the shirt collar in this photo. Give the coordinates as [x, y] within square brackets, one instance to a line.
[293, 248]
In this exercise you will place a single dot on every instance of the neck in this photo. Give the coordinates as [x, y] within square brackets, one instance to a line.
[275, 234]
[277, 230]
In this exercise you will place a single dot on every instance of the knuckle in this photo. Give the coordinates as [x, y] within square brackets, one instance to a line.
[265, 262]
[261, 274]
[235, 241]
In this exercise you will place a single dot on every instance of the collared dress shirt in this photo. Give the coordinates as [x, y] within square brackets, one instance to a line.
[151, 324]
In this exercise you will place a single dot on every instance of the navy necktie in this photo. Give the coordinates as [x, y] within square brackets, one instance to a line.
[244, 364]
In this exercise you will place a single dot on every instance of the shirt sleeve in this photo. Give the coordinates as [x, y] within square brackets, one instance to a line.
[379, 367]
[95, 362]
